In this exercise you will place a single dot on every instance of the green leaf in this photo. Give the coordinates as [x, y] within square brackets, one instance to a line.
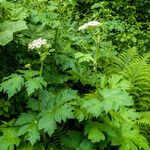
[85, 144]
[84, 57]
[8, 28]
[66, 95]
[135, 139]
[46, 100]
[94, 131]
[34, 84]
[29, 73]
[12, 84]
[62, 113]
[32, 104]
[114, 99]
[31, 132]
[29, 127]
[93, 106]
[144, 118]
[33, 135]
[9, 138]
[5, 37]
[25, 118]
[71, 140]
[47, 122]
[117, 81]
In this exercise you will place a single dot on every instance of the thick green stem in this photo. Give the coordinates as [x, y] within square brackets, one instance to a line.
[97, 41]
[95, 68]
[41, 69]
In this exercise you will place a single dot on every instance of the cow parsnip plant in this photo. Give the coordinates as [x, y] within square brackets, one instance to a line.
[75, 75]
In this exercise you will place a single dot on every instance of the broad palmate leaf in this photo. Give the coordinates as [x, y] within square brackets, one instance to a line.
[12, 84]
[34, 84]
[29, 128]
[94, 131]
[8, 28]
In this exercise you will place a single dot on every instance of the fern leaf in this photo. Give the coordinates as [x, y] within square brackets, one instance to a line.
[12, 84]
[34, 84]
[135, 69]
[144, 118]
[128, 145]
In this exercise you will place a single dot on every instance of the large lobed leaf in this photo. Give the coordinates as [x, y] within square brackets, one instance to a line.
[8, 28]
[34, 84]
[12, 84]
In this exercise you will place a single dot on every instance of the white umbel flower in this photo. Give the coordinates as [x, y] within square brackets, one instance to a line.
[91, 23]
[37, 43]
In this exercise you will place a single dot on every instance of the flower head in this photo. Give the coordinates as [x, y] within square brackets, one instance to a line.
[91, 23]
[37, 43]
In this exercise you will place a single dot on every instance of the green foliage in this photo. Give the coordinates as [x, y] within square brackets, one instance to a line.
[8, 28]
[29, 127]
[57, 109]
[144, 118]
[12, 84]
[80, 89]
[94, 131]
[9, 138]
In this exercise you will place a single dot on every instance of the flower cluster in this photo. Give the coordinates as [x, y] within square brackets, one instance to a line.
[37, 43]
[91, 23]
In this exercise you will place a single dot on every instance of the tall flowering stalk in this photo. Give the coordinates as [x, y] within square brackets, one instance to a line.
[96, 39]
[37, 44]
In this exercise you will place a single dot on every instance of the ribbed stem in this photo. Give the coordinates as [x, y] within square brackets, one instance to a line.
[41, 71]
[41, 68]
[95, 68]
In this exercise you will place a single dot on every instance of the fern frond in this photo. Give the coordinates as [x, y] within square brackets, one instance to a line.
[125, 58]
[136, 69]
[144, 118]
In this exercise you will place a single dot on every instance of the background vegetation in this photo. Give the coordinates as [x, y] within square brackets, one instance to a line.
[83, 90]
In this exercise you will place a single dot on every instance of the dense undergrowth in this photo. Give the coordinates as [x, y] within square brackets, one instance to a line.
[83, 89]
